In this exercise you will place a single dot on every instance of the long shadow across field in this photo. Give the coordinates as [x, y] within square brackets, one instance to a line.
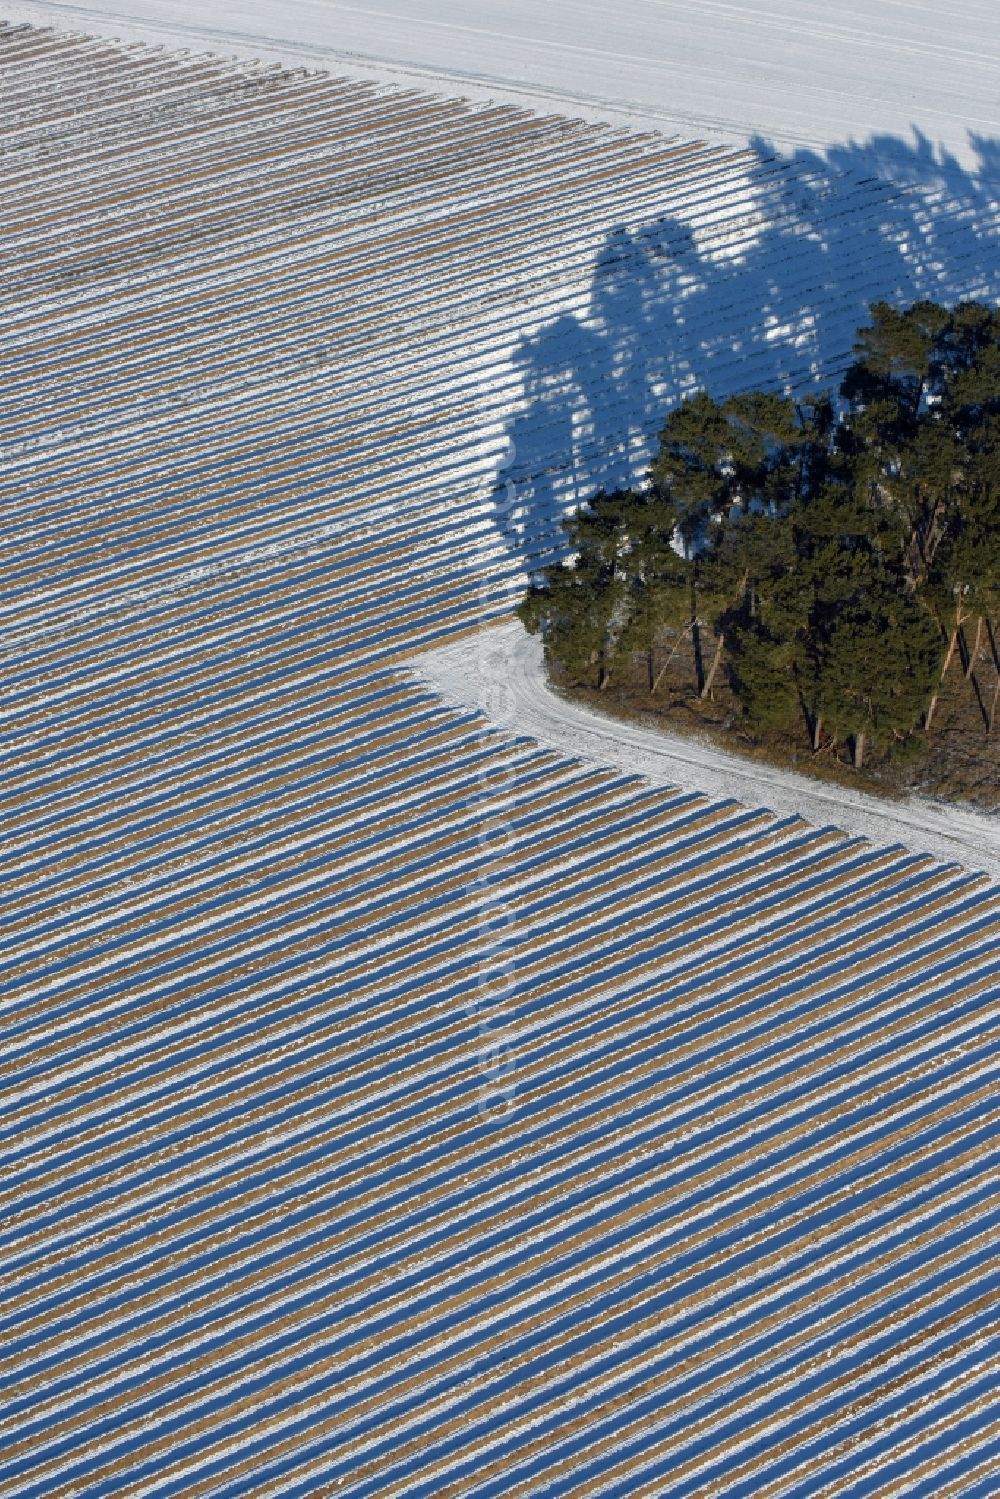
[770, 298]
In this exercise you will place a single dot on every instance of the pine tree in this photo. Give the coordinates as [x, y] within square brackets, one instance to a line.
[659, 578]
[876, 663]
[579, 606]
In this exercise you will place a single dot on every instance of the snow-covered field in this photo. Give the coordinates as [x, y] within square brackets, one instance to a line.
[800, 72]
[394, 1104]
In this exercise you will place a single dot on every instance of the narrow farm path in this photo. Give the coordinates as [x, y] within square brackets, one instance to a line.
[501, 671]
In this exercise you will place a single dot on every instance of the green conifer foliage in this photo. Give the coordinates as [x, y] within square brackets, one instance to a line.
[580, 607]
[875, 666]
[830, 561]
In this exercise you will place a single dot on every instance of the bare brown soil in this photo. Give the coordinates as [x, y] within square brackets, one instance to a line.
[956, 760]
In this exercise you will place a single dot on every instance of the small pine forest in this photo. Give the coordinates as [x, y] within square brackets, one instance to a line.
[828, 569]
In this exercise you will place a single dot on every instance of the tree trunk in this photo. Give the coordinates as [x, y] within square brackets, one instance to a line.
[993, 643]
[991, 635]
[982, 706]
[963, 654]
[917, 399]
[597, 660]
[928, 541]
[859, 751]
[706, 691]
[950, 652]
[699, 659]
[971, 662]
[817, 733]
[663, 669]
[649, 669]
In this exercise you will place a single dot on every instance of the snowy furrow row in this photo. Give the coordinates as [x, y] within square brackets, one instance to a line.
[309, 1302]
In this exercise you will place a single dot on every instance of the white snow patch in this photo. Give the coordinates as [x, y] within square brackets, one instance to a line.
[801, 72]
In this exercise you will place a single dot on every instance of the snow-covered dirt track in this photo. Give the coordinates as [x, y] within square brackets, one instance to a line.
[803, 72]
[393, 1105]
[502, 672]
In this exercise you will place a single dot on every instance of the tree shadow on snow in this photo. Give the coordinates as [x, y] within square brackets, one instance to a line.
[764, 287]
